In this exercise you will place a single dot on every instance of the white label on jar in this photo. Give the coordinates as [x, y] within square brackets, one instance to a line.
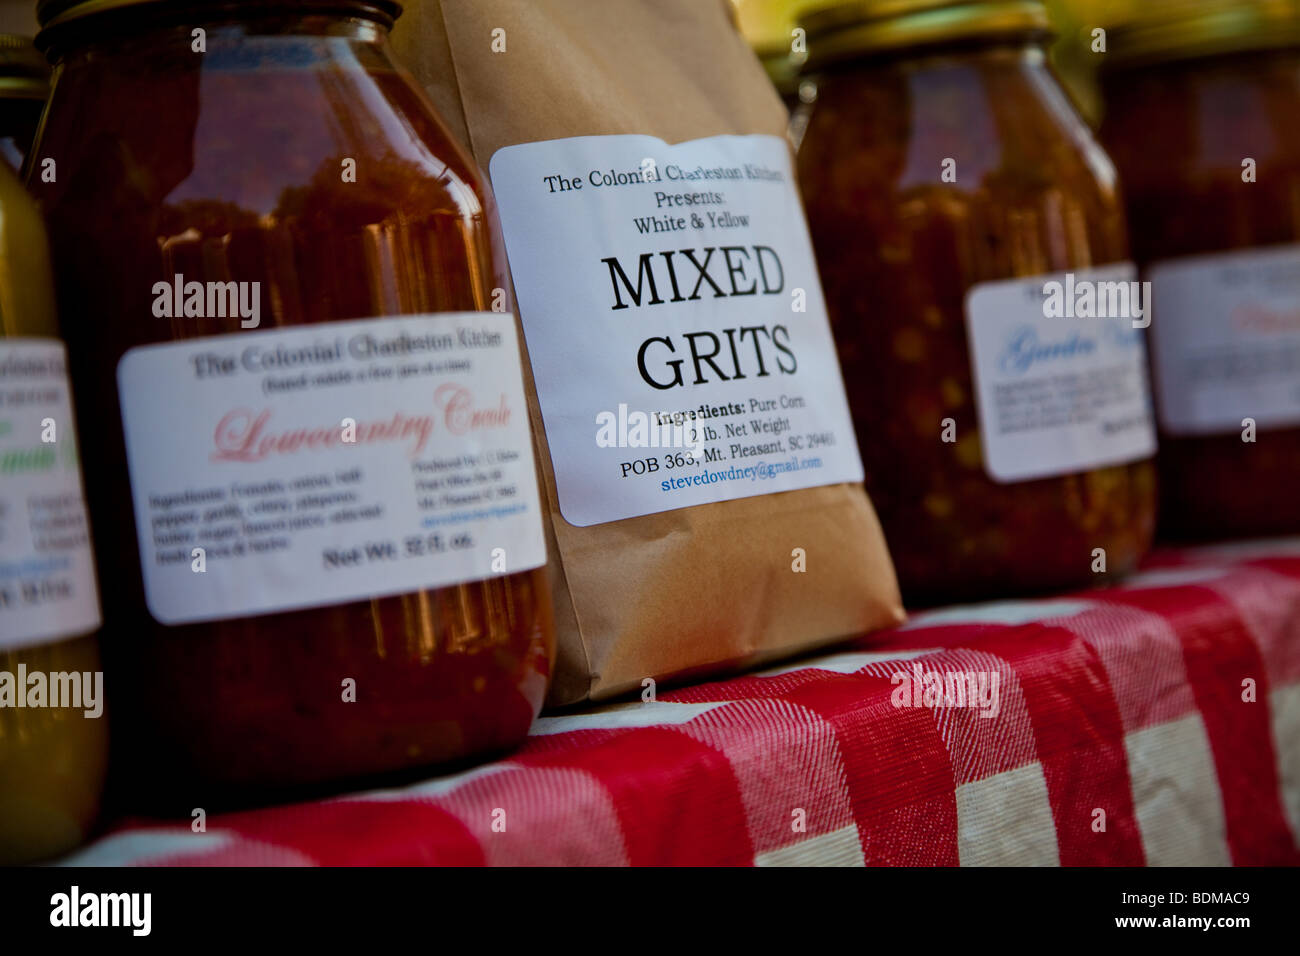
[1060, 373]
[1226, 340]
[47, 571]
[674, 320]
[316, 465]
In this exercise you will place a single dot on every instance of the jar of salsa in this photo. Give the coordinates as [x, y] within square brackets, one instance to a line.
[24, 84]
[53, 732]
[965, 224]
[302, 399]
[1202, 101]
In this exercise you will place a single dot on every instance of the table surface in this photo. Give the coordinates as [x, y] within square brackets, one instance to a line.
[1157, 722]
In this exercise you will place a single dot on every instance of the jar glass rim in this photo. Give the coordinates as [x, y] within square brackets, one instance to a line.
[53, 15]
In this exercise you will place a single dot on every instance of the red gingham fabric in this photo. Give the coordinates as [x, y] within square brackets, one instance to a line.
[1126, 733]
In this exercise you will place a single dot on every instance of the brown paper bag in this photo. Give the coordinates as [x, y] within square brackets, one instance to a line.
[698, 589]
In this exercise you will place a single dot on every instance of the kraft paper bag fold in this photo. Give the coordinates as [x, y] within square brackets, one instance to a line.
[702, 589]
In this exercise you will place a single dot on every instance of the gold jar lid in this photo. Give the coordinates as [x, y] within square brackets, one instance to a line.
[838, 30]
[1156, 31]
[24, 74]
[54, 13]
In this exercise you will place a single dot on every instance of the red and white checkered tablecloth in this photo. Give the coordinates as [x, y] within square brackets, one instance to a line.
[1125, 733]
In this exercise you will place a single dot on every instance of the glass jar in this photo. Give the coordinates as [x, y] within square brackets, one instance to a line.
[292, 602]
[53, 752]
[24, 84]
[949, 183]
[1202, 100]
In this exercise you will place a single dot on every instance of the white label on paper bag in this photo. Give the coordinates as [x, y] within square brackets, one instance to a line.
[47, 571]
[1057, 395]
[1226, 340]
[328, 463]
[674, 320]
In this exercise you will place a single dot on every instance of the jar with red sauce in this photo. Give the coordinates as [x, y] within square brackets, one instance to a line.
[960, 208]
[306, 442]
[1202, 103]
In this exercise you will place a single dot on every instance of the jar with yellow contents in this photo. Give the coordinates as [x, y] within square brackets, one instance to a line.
[53, 734]
[972, 248]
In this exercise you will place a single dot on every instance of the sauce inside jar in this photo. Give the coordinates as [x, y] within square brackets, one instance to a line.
[294, 161]
[948, 183]
[1201, 105]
